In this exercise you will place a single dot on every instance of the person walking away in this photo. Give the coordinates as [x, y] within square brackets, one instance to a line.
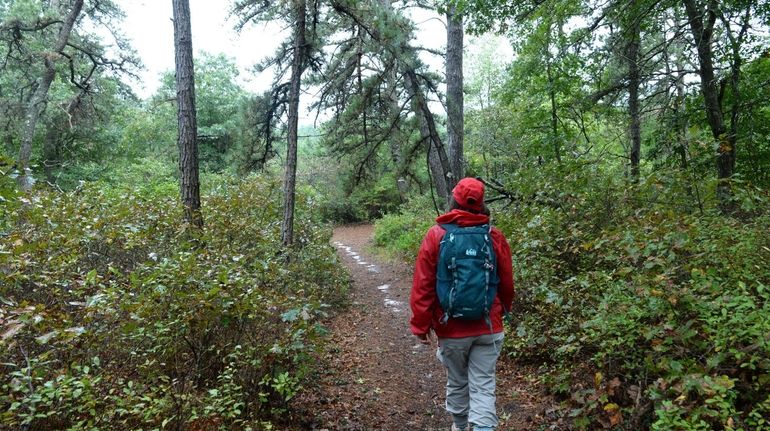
[462, 286]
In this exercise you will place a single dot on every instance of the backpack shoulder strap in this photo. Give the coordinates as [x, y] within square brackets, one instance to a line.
[449, 227]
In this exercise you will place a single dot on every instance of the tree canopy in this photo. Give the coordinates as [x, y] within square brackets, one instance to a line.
[624, 145]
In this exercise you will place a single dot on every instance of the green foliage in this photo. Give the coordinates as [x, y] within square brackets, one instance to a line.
[150, 130]
[109, 319]
[402, 233]
[755, 125]
[219, 105]
[647, 306]
[9, 193]
[645, 311]
[671, 305]
[80, 121]
[377, 199]
[344, 202]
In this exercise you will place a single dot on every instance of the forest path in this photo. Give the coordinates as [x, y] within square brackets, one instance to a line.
[375, 375]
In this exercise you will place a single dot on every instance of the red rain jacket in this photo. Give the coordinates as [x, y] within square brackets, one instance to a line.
[426, 310]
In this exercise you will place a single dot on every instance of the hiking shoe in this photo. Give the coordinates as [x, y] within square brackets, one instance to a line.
[454, 428]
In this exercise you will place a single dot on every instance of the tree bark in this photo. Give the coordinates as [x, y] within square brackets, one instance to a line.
[38, 100]
[187, 140]
[454, 91]
[702, 33]
[396, 136]
[634, 81]
[290, 174]
[443, 190]
[735, 73]
[50, 153]
[438, 160]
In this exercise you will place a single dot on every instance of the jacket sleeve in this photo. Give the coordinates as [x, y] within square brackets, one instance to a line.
[504, 270]
[422, 299]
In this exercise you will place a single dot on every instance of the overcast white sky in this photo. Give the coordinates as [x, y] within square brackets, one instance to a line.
[148, 25]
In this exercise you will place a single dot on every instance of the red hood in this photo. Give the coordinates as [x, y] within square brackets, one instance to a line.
[462, 218]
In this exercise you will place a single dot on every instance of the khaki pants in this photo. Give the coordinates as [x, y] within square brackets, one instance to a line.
[470, 389]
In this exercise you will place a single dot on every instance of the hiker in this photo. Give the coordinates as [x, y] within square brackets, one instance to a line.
[469, 337]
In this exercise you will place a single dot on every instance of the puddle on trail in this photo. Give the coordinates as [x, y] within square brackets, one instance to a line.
[393, 305]
[357, 257]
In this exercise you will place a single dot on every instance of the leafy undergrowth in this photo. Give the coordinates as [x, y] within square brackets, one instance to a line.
[646, 312]
[401, 234]
[110, 319]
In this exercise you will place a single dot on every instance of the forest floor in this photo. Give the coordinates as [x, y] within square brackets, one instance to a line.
[375, 375]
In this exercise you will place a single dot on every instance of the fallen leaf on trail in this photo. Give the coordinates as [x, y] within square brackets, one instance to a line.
[13, 329]
[45, 338]
[613, 385]
[633, 393]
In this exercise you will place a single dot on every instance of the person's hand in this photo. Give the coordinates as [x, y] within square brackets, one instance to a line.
[425, 339]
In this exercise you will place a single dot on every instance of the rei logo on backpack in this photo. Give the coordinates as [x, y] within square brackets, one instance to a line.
[466, 276]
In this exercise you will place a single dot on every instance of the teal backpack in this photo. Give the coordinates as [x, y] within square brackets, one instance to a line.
[466, 274]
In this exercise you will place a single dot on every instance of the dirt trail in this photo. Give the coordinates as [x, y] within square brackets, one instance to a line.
[376, 376]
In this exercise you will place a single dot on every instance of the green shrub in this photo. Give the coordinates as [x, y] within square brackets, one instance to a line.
[402, 233]
[638, 285]
[645, 305]
[365, 203]
[9, 194]
[110, 319]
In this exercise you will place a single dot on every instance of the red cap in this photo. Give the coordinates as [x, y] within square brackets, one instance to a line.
[469, 193]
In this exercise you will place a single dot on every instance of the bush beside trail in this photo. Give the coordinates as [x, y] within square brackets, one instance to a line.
[110, 319]
[645, 312]
[401, 233]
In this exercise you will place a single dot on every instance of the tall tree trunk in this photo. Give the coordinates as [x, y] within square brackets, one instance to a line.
[634, 81]
[396, 136]
[437, 157]
[38, 100]
[702, 32]
[443, 190]
[736, 63]
[290, 174]
[454, 91]
[50, 153]
[187, 140]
